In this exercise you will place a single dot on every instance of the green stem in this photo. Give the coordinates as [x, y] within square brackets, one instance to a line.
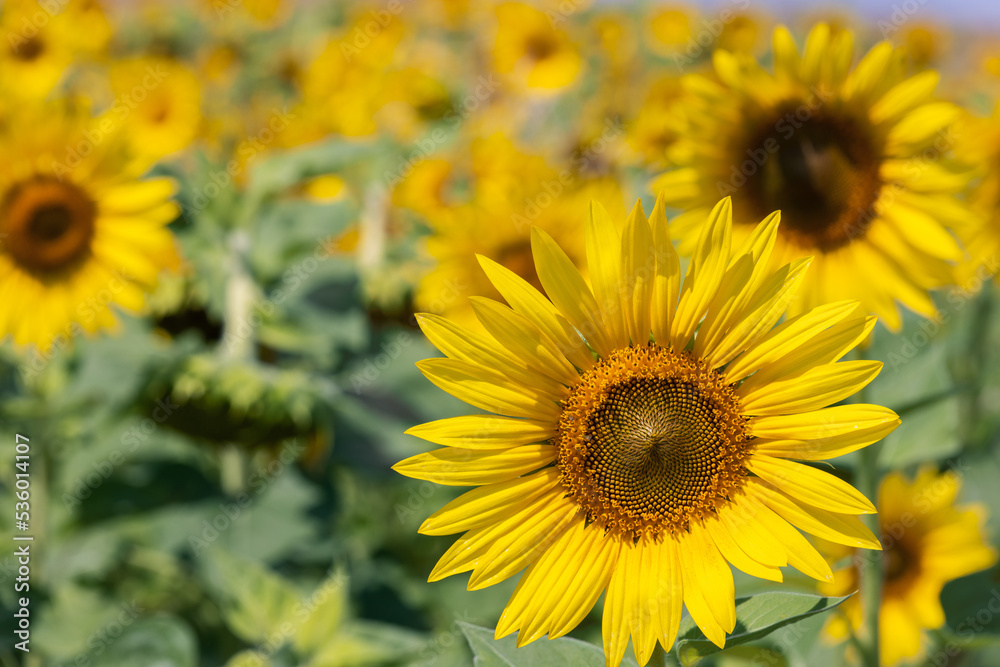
[660, 657]
[871, 564]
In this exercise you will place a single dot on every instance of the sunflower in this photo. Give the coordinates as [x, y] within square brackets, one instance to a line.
[158, 100]
[510, 191]
[532, 50]
[928, 541]
[980, 144]
[78, 231]
[647, 431]
[859, 162]
[41, 44]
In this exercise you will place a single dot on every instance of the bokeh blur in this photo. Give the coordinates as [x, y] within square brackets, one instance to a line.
[218, 219]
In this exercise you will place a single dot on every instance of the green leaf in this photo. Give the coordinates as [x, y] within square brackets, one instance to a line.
[164, 641]
[363, 643]
[326, 608]
[254, 601]
[542, 653]
[756, 616]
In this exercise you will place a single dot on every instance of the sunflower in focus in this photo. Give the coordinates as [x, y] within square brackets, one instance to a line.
[78, 231]
[648, 431]
[531, 49]
[511, 191]
[859, 162]
[928, 541]
[158, 100]
[37, 51]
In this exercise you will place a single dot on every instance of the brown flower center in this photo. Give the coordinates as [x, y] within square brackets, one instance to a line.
[29, 49]
[46, 225]
[819, 168]
[650, 440]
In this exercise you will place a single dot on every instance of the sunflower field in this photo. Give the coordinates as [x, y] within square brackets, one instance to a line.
[506, 333]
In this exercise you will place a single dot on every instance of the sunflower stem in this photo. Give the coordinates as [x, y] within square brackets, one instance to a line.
[660, 657]
[871, 562]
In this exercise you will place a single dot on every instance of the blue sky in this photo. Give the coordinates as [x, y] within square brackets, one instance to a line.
[968, 13]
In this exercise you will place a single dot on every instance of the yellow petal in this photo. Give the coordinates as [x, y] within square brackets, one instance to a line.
[739, 284]
[840, 528]
[638, 267]
[487, 390]
[528, 302]
[468, 467]
[763, 311]
[458, 342]
[525, 340]
[821, 424]
[816, 388]
[904, 96]
[666, 282]
[801, 554]
[484, 432]
[536, 534]
[731, 551]
[712, 578]
[568, 291]
[704, 273]
[830, 447]
[489, 504]
[812, 486]
[787, 336]
[603, 243]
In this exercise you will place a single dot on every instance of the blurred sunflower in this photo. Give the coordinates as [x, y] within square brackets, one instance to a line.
[532, 50]
[78, 231]
[510, 192]
[651, 133]
[858, 161]
[41, 44]
[673, 453]
[928, 542]
[669, 29]
[980, 144]
[158, 100]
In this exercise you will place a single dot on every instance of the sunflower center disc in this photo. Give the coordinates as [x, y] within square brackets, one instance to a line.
[651, 439]
[47, 224]
[819, 170]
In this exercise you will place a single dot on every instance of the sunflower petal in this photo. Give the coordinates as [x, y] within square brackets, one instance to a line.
[484, 432]
[487, 390]
[812, 486]
[704, 273]
[666, 282]
[816, 388]
[469, 467]
[603, 241]
[638, 270]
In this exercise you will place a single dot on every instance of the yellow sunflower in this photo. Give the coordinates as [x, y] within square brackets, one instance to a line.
[158, 101]
[981, 146]
[532, 50]
[928, 542]
[647, 431]
[510, 192]
[857, 161]
[78, 231]
[41, 43]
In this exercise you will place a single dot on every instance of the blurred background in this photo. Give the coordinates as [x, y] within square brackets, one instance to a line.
[210, 470]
